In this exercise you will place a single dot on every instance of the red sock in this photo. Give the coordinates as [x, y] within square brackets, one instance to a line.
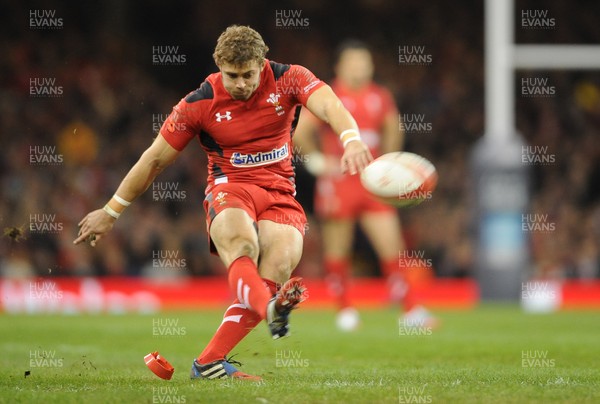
[238, 321]
[246, 284]
[338, 274]
[398, 285]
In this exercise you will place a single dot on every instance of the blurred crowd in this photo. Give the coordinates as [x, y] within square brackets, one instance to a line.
[64, 153]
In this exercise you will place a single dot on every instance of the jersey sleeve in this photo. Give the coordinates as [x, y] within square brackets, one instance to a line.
[304, 82]
[181, 125]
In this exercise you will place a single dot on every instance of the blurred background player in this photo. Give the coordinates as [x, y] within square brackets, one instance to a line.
[341, 200]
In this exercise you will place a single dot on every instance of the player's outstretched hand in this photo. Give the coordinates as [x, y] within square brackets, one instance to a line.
[93, 226]
[356, 157]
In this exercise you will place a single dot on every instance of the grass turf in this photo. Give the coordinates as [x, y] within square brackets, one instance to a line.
[494, 354]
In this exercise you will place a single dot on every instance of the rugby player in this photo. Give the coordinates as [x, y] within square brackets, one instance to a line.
[341, 201]
[244, 117]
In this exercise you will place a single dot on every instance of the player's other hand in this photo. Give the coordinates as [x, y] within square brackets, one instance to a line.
[356, 157]
[94, 226]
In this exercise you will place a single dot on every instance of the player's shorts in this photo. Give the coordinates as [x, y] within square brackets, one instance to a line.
[344, 197]
[259, 203]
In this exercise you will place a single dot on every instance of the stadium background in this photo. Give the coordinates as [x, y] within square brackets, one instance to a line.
[113, 94]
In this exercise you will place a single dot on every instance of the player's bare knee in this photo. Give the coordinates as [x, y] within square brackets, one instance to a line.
[243, 247]
[278, 271]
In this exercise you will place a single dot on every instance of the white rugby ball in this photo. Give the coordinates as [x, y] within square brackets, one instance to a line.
[400, 178]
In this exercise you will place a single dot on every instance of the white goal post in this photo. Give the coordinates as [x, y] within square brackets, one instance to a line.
[501, 180]
[503, 57]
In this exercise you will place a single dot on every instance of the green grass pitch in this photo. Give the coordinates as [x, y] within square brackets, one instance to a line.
[493, 354]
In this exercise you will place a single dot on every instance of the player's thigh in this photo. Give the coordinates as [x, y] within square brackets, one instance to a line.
[280, 250]
[234, 234]
[338, 236]
[384, 231]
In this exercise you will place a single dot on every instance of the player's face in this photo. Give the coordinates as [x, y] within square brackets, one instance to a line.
[355, 67]
[241, 81]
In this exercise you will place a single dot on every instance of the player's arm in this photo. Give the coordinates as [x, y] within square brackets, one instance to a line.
[392, 135]
[304, 135]
[305, 141]
[97, 223]
[328, 107]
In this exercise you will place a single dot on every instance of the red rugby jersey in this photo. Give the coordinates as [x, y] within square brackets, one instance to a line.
[369, 106]
[246, 141]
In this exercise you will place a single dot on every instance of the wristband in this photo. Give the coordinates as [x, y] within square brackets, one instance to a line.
[348, 136]
[111, 212]
[121, 200]
[347, 131]
[350, 139]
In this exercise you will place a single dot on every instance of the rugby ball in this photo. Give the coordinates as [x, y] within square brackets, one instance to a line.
[400, 178]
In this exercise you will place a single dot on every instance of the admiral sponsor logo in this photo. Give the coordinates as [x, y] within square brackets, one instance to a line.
[260, 158]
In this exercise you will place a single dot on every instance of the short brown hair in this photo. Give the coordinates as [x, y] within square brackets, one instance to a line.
[239, 45]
